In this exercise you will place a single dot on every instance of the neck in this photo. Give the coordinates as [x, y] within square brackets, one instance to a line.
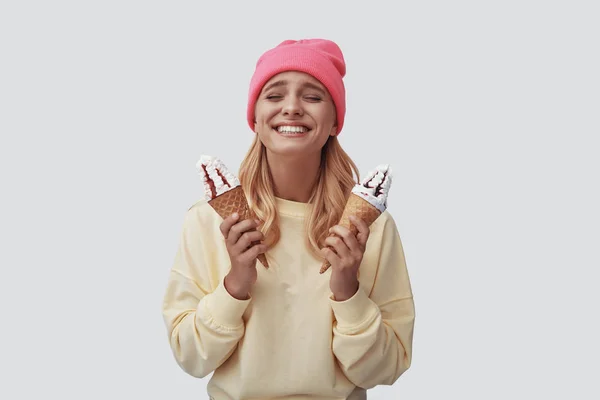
[294, 178]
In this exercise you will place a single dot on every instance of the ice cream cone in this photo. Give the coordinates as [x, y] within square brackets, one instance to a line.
[367, 201]
[224, 192]
[360, 208]
[234, 201]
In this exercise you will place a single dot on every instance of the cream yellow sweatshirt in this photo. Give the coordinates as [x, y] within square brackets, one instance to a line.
[290, 340]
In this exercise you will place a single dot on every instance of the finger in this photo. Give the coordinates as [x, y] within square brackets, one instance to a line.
[330, 256]
[339, 245]
[228, 223]
[253, 252]
[348, 237]
[238, 229]
[363, 230]
[246, 240]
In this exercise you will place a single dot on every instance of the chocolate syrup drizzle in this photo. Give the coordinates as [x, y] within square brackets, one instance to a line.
[378, 189]
[210, 182]
[224, 179]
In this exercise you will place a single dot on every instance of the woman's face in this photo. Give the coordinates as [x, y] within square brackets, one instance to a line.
[294, 114]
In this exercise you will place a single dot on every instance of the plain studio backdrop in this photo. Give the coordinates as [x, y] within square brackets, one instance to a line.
[488, 113]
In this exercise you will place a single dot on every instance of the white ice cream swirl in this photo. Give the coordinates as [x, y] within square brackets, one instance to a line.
[214, 170]
[376, 186]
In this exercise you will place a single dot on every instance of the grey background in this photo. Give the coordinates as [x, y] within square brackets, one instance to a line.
[487, 111]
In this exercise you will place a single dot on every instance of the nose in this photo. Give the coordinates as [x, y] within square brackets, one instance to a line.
[292, 106]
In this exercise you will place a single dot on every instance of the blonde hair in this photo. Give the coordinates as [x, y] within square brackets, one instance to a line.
[327, 200]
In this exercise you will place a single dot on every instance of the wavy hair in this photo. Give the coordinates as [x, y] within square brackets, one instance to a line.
[327, 200]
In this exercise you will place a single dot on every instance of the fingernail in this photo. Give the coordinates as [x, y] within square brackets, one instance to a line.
[235, 215]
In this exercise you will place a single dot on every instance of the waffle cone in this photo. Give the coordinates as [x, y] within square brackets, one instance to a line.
[232, 201]
[360, 208]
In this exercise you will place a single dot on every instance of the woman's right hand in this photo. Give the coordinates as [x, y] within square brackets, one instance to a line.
[243, 243]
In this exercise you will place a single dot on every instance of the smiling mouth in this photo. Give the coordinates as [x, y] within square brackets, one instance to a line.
[295, 131]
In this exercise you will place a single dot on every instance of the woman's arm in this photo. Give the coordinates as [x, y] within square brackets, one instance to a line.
[204, 324]
[373, 334]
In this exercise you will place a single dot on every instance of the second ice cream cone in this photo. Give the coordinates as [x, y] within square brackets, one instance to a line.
[360, 208]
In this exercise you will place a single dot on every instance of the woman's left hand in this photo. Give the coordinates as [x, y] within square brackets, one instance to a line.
[345, 257]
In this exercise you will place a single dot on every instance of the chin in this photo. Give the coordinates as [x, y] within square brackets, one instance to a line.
[291, 151]
[288, 149]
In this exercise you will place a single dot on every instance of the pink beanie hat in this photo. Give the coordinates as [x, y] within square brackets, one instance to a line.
[320, 58]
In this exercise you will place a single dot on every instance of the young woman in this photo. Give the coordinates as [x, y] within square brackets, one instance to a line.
[289, 332]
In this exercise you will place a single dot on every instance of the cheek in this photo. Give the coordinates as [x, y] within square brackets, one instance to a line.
[326, 115]
[263, 113]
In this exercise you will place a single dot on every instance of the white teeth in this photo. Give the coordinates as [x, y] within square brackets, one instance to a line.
[291, 129]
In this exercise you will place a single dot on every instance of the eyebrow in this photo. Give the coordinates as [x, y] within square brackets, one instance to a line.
[284, 82]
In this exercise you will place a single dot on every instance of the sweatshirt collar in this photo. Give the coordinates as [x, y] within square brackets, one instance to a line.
[291, 208]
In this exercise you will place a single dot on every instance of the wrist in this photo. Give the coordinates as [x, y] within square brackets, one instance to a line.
[346, 292]
[235, 289]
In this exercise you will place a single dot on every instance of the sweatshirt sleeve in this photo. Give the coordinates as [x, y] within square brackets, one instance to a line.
[204, 323]
[373, 334]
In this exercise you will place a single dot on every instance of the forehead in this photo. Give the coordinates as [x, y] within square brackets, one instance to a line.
[295, 77]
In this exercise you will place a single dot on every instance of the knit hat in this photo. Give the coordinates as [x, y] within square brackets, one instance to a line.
[320, 58]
